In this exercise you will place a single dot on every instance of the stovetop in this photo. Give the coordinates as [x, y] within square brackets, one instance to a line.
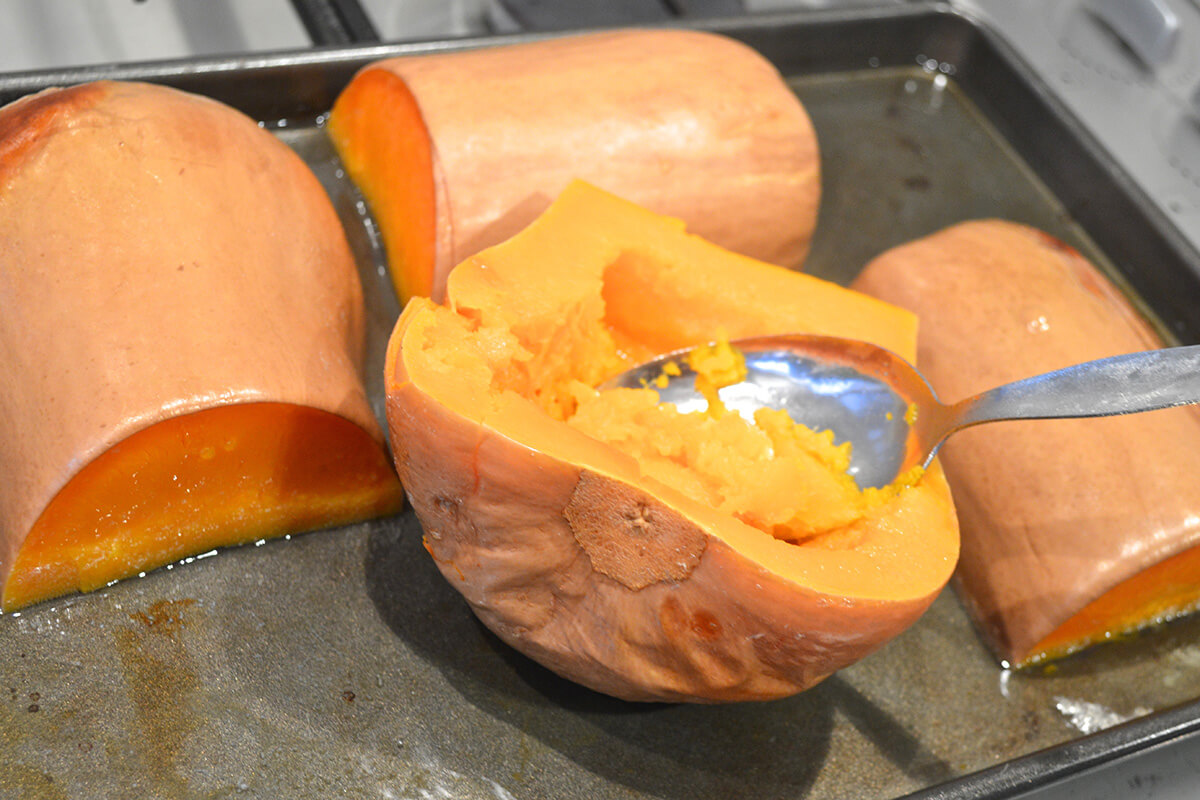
[1130, 70]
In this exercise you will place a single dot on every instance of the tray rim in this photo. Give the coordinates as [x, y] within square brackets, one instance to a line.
[299, 84]
[336, 63]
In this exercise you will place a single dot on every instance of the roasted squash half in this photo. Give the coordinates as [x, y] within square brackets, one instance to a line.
[182, 338]
[1075, 532]
[642, 552]
[457, 151]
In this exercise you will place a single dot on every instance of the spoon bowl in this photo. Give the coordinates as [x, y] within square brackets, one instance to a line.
[885, 408]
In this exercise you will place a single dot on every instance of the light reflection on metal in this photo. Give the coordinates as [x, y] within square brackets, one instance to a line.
[829, 394]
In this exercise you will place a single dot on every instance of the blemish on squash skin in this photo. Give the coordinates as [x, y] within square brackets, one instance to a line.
[447, 506]
[629, 536]
[678, 623]
[706, 626]
[429, 549]
[25, 126]
[1054, 243]
[475, 466]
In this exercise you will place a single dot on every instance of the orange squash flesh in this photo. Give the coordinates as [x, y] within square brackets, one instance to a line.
[615, 572]
[457, 151]
[1168, 589]
[223, 476]
[1074, 531]
[174, 278]
[376, 125]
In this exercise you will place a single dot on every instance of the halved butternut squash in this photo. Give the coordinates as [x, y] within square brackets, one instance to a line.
[645, 553]
[182, 338]
[455, 152]
[1074, 531]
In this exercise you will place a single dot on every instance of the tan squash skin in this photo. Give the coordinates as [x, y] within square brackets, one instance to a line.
[1054, 514]
[592, 561]
[144, 275]
[690, 125]
[499, 524]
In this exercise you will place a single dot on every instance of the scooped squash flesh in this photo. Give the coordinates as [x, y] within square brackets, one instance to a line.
[457, 151]
[182, 336]
[645, 553]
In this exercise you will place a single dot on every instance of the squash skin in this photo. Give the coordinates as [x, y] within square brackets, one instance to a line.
[145, 278]
[494, 514]
[1055, 514]
[733, 154]
[513, 525]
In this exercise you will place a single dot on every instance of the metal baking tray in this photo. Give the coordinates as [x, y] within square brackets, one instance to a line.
[339, 663]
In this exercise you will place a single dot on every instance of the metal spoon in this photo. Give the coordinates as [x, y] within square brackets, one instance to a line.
[887, 410]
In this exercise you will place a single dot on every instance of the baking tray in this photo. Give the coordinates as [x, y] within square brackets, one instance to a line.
[340, 663]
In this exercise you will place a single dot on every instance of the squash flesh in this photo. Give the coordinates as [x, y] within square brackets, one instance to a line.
[222, 476]
[775, 475]
[377, 128]
[522, 342]
[1168, 589]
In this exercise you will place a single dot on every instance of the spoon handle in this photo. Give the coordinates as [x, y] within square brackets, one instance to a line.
[1123, 384]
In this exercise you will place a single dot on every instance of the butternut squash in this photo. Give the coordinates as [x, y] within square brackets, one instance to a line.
[458, 151]
[182, 338]
[645, 553]
[1074, 531]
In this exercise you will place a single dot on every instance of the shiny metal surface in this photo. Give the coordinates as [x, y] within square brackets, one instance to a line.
[841, 385]
[1125, 384]
[885, 408]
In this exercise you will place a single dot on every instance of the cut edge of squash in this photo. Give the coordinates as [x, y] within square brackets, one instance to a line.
[213, 478]
[378, 131]
[1158, 594]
